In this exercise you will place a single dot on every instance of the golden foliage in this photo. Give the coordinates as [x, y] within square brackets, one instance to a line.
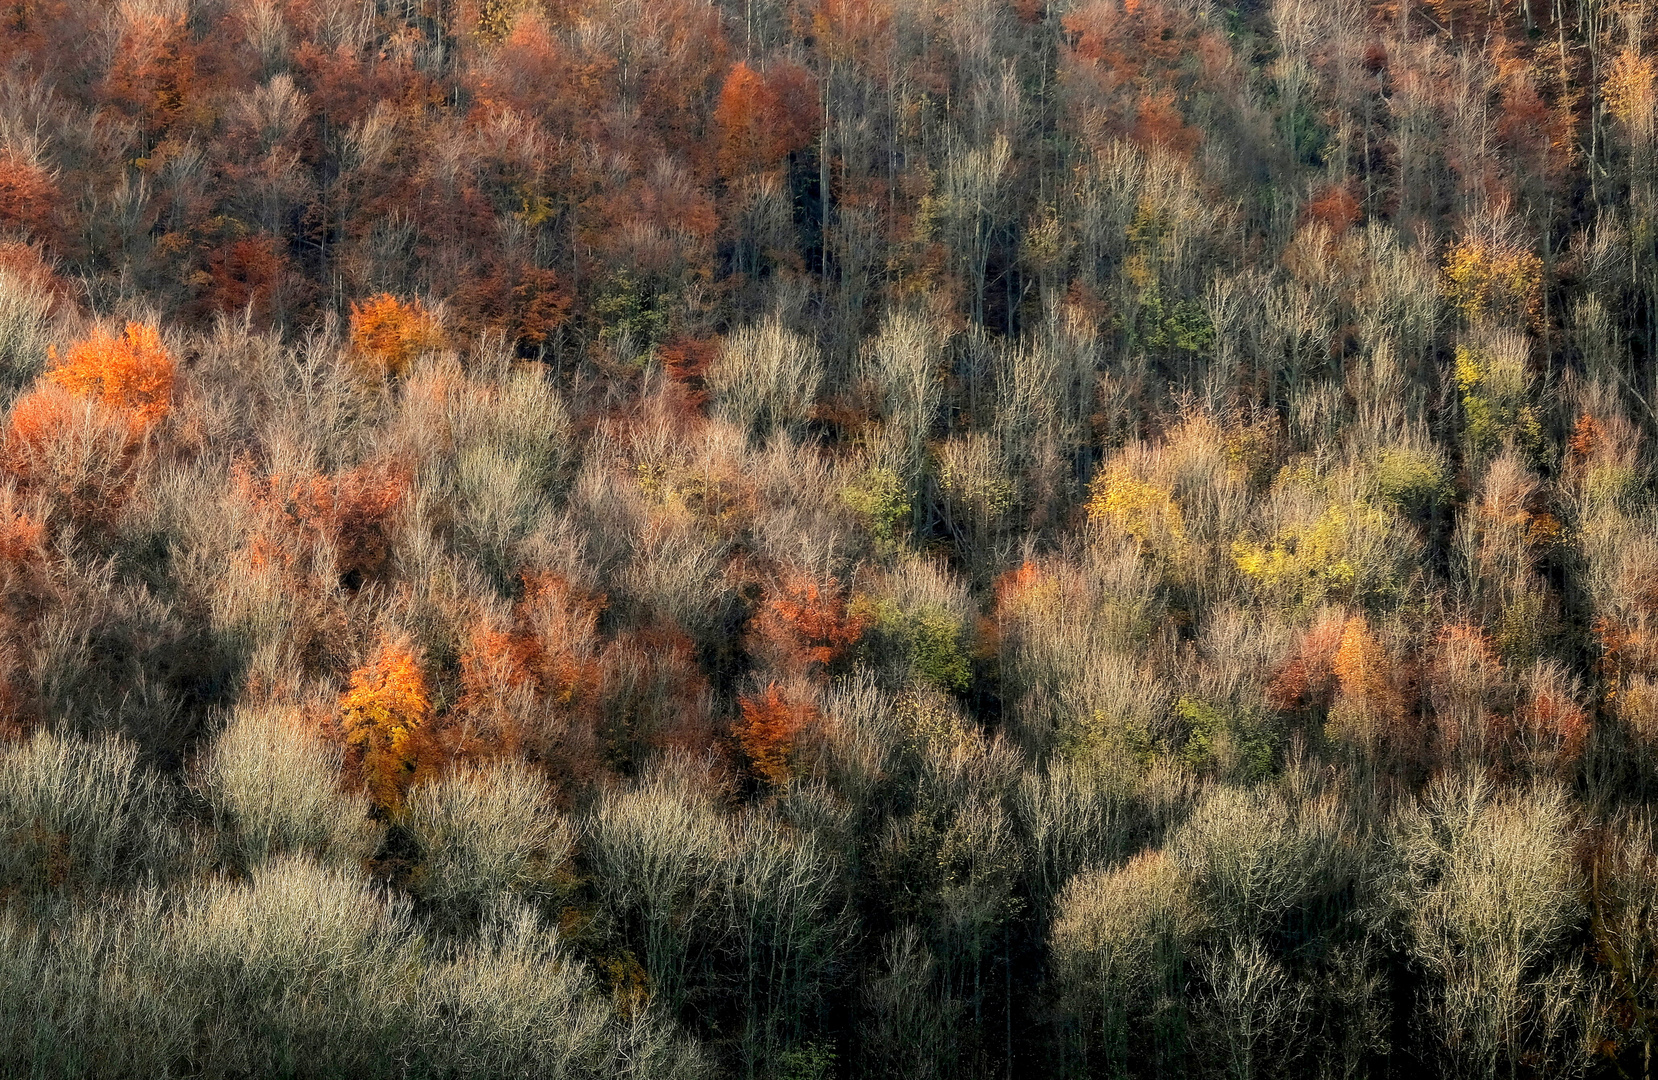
[384, 720]
[1127, 506]
[1629, 91]
[1494, 280]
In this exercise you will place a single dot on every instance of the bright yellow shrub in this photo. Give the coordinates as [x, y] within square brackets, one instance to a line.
[1494, 281]
[1127, 506]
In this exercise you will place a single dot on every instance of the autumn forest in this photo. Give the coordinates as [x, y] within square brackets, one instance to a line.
[819, 539]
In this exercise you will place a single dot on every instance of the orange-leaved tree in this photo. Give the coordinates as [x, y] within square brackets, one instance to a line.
[28, 196]
[762, 117]
[803, 624]
[1370, 712]
[354, 511]
[531, 687]
[771, 725]
[132, 373]
[76, 437]
[385, 719]
[388, 333]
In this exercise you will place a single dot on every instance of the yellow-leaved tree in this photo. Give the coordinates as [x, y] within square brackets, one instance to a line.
[385, 722]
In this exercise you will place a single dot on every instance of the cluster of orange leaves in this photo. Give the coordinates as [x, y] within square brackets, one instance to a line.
[154, 74]
[25, 586]
[771, 725]
[1586, 439]
[385, 724]
[1307, 678]
[1365, 673]
[1129, 62]
[77, 434]
[1025, 591]
[802, 629]
[762, 117]
[1023, 586]
[388, 333]
[1599, 441]
[28, 195]
[685, 361]
[1552, 725]
[1342, 666]
[244, 273]
[353, 511]
[808, 624]
[132, 373]
[1336, 207]
[549, 651]
[30, 263]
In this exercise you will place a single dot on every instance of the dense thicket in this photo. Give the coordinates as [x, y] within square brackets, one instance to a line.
[828, 538]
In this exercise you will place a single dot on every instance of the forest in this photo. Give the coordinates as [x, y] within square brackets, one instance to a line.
[823, 539]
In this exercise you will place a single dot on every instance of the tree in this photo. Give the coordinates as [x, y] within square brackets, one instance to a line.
[385, 723]
[770, 724]
[388, 333]
[762, 117]
[132, 373]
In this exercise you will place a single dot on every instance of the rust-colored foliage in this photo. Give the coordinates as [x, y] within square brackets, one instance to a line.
[1023, 593]
[1018, 585]
[808, 626]
[1158, 122]
[1586, 440]
[1552, 728]
[26, 588]
[685, 361]
[79, 455]
[25, 582]
[28, 196]
[384, 722]
[1370, 711]
[1336, 207]
[1613, 639]
[770, 725]
[763, 117]
[1467, 685]
[354, 511]
[29, 264]
[495, 669]
[530, 686]
[21, 538]
[653, 694]
[244, 273]
[563, 623]
[541, 304]
[132, 373]
[388, 333]
[1129, 64]
[1307, 678]
[155, 73]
